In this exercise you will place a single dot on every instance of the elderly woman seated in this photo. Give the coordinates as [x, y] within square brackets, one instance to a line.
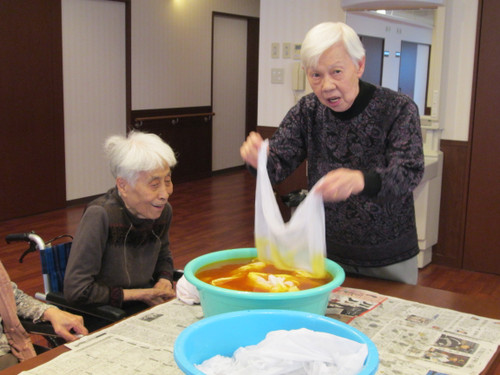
[120, 254]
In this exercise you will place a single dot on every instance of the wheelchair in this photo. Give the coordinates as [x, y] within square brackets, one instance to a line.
[54, 258]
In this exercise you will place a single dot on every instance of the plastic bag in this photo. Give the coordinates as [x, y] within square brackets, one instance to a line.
[298, 244]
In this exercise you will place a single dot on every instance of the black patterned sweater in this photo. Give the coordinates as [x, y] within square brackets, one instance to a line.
[379, 135]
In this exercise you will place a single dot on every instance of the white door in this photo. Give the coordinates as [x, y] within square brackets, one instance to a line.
[229, 90]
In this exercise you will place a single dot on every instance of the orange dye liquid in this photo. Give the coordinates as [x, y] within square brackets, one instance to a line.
[251, 275]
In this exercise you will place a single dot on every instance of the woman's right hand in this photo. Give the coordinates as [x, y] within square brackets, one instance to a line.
[150, 296]
[249, 150]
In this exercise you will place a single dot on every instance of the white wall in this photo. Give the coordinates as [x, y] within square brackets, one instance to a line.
[171, 67]
[94, 90]
[457, 68]
[285, 21]
[171, 50]
[452, 57]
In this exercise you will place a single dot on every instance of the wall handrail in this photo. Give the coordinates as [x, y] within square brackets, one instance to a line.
[175, 118]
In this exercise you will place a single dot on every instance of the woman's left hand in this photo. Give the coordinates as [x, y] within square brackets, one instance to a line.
[340, 184]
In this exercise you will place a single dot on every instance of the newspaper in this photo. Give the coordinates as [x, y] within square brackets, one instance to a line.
[413, 338]
[142, 344]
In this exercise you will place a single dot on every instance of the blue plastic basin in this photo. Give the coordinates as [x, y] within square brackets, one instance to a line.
[224, 333]
[215, 300]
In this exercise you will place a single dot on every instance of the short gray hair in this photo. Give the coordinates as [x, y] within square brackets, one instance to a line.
[136, 153]
[326, 34]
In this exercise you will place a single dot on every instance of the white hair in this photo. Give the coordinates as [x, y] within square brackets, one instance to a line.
[323, 36]
[136, 153]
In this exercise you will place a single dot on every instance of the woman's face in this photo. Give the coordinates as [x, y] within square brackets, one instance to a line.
[335, 80]
[148, 197]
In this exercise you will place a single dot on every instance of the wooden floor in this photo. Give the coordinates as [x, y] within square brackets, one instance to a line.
[210, 214]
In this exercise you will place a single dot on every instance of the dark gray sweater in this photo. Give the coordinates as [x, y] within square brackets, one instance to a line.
[114, 250]
[379, 135]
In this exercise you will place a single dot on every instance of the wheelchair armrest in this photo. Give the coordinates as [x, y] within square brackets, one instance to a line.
[45, 330]
[41, 328]
[105, 312]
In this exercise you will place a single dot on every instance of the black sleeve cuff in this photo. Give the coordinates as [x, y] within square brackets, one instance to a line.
[373, 183]
[164, 275]
[251, 169]
[115, 296]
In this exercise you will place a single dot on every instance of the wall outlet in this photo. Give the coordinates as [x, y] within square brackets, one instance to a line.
[277, 76]
[275, 50]
[296, 51]
[287, 50]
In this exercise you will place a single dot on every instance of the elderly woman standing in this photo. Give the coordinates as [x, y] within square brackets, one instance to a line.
[366, 141]
[120, 254]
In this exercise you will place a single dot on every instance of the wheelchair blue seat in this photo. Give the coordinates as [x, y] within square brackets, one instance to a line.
[54, 260]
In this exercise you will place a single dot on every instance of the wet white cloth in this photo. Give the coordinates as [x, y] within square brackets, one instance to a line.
[187, 292]
[295, 352]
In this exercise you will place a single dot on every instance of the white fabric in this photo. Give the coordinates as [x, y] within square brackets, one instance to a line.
[297, 244]
[296, 352]
[187, 292]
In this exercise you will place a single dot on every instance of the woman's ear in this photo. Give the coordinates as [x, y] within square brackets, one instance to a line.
[121, 184]
[361, 66]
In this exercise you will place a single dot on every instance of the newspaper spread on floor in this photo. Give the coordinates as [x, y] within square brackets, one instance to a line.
[414, 338]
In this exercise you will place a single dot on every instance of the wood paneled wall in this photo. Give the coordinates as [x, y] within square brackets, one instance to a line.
[449, 249]
[31, 103]
[482, 236]
[188, 131]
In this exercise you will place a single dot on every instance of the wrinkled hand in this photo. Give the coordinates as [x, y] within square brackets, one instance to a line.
[166, 286]
[161, 292]
[249, 150]
[64, 322]
[340, 184]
